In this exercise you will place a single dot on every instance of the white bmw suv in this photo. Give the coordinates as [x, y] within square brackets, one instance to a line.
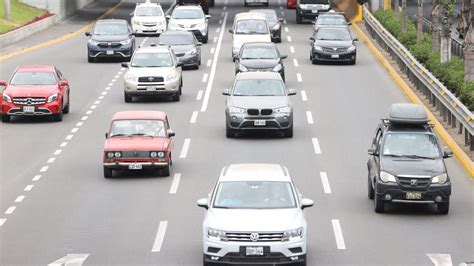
[148, 18]
[254, 214]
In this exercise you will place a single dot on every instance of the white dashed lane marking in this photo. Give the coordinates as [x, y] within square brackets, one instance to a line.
[36, 178]
[304, 97]
[316, 147]
[51, 160]
[69, 137]
[286, 29]
[44, 169]
[2, 222]
[160, 235]
[209, 63]
[194, 117]
[215, 39]
[213, 50]
[20, 198]
[295, 62]
[199, 95]
[336, 226]
[89, 112]
[64, 144]
[175, 183]
[309, 117]
[74, 130]
[28, 188]
[325, 181]
[288, 38]
[298, 77]
[10, 210]
[204, 77]
[84, 118]
[78, 124]
[292, 49]
[184, 151]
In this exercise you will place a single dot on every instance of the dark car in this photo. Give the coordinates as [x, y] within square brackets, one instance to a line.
[260, 56]
[310, 9]
[331, 19]
[406, 162]
[185, 46]
[258, 101]
[110, 38]
[333, 44]
[274, 22]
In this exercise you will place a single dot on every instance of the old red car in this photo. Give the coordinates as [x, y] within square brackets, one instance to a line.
[35, 91]
[291, 4]
[138, 140]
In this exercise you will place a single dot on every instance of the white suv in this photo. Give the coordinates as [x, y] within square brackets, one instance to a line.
[254, 214]
[190, 18]
[148, 18]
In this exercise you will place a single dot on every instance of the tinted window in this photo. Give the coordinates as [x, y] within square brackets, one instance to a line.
[33, 78]
[251, 26]
[333, 35]
[255, 52]
[176, 39]
[259, 87]
[152, 60]
[320, 2]
[111, 29]
[403, 144]
[155, 128]
[148, 11]
[254, 195]
[187, 14]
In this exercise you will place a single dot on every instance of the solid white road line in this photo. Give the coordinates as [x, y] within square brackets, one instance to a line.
[36, 178]
[194, 117]
[204, 77]
[440, 259]
[286, 29]
[2, 222]
[304, 97]
[51, 160]
[316, 147]
[295, 62]
[64, 144]
[28, 188]
[57, 152]
[325, 181]
[160, 235]
[298, 77]
[175, 184]
[20, 198]
[207, 94]
[44, 169]
[10, 210]
[184, 150]
[336, 226]
[309, 117]
[209, 63]
[199, 95]
[292, 49]
[288, 37]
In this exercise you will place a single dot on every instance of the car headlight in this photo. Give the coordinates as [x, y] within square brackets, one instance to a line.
[129, 77]
[386, 177]
[192, 52]
[318, 48]
[110, 154]
[350, 49]
[172, 77]
[161, 22]
[93, 42]
[172, 26]
[216, 234]
[277, 68]
[136, 22]
[53, 98]
[280, 110]
[125, 42]
[236, 110]
[155, 154]
[295, 233]
[440, 179]
[6, 98]
[242, 68]
[326, 6]
[118, 154]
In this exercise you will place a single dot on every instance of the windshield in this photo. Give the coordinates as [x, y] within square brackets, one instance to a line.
[148, 11]
[176, 39]
[259, 87]
[152, 128]
[251, 26]
[152, 60]
[411, 144]
[110, 29]
[259, 53]
[187, 14]
[319, 2]
[333, 35]
[331, 20]
[254, 195]
[33, 78]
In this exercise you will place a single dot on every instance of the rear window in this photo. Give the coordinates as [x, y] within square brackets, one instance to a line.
[33, 78]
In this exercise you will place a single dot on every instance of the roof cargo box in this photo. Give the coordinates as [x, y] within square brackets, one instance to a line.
[407, 113]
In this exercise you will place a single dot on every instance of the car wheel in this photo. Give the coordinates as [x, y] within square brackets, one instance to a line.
[352, 62]
[279, 37]
[370, 189]
[299, 19]
[108, 172]
[314, 61]
[379, 205]
[90, 59]
[289, 132]
[127, 98]
[204, 262]
[59, 116]
[176, 96]
[443, 208]
[205, 39]
[166, 170]
[229, 132]
[66, 109]
[6, 118]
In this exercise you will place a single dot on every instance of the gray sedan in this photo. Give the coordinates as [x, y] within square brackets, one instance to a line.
[185, 46]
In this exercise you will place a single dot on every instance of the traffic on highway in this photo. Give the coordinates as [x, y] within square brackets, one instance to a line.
[222, 134]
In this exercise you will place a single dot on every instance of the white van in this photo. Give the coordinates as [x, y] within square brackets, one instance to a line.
[249, 27]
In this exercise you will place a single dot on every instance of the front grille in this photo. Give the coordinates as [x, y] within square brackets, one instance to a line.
[421, 183]
[180, 54]
[109, 44]
[262, 236]
[150, 79]
[259, 112]
[266, 111]
[135, 154]
[334, 50]
[29, 100]
[253, 111]
[149, 24]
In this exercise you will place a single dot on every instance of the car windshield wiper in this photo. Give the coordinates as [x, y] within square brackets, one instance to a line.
[120, 135]
[418, 156]
[393, 155]
[265, 95]
[142, 134]
[221, 207]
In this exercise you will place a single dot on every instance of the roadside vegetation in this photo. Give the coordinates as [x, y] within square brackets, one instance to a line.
[21, 14]
[451, 73]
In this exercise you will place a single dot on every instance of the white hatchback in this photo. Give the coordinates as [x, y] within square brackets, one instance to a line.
[254, 213]
[148, 18]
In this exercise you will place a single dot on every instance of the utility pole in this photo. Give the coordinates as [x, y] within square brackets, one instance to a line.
[8, 15]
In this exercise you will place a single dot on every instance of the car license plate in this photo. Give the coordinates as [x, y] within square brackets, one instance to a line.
[334, 56]
[260, 123]
[151, 88]
[314, 11]
[134, 166]
[28, 109]
[413, 195]
[254, 251]
[110, 52]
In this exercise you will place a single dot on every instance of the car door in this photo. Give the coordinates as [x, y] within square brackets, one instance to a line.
[374, 160]
[64, 89]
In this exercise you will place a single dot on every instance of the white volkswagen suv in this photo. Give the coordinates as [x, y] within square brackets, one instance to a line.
[148, 18]
[254, 214]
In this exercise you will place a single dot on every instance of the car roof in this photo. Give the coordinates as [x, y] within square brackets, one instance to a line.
[250, 15]
[255, 172]
[259, 44]
[188, 7]
[111, 20]
[258, 75]
[153, 49]
[124, 115]
[35, 68]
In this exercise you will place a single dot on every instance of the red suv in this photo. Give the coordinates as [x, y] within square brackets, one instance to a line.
[33, 91]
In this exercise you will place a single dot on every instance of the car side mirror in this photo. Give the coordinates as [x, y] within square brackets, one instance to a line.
[133, 34]
[311, 38]
[231, 31]
[203, 203]
[180, 64]
[280, 20]
[106, 135]
[283, 56]
[447, 154]
[3, 83]
[371, 152]
[168, 16]
[349, 23]
[87, 33]
[291, 92]
[356, 39]
[63, 83]
[208, 16]
[171, 133]
[226, 92]
[199, 44]
[313, 22]
[306, 203]
[125, 65]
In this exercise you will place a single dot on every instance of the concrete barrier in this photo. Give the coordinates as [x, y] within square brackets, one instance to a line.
[28, 30]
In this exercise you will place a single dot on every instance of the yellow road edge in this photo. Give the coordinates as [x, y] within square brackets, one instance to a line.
[60, 39]
[462, 157]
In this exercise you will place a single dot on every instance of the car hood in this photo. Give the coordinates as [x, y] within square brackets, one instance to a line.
[335, 44]
[136, 143]
[259, 102]
[407, 166]
[240, 39]
[243, 220]
[182, 48]
[109, 38]
[260, 63]
[149, 18]
[187, 22]
[150, 71]
[30, 90]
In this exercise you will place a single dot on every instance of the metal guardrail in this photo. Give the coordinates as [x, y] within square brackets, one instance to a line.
[456, 114]
[457, 47]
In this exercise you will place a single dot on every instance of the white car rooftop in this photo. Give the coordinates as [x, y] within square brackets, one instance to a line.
[188, 7]
[255, 172]
[250, 15]
[153, 49]
[258, 75]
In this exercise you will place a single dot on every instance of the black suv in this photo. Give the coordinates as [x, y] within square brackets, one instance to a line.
[406, 161]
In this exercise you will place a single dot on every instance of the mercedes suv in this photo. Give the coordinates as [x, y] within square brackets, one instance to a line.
[254, 215]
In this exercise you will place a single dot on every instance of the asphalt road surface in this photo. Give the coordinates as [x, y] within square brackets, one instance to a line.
[54, 200]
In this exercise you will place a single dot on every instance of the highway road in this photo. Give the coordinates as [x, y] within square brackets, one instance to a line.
[54, 200]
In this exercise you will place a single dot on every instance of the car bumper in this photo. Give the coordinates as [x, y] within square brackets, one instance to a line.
[142, 165]
[189, 60]
[143, 89]
[256, 1]
[272, 122]
[122, 51]
[309, 13]
[434, 193]
[322, 56]
[39, 110]
[149, 29]
[275, 253]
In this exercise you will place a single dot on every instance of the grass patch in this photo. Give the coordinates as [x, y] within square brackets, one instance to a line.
[21, 14]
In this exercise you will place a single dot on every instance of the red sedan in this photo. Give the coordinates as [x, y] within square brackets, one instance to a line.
[137, 140]
[35, 91]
